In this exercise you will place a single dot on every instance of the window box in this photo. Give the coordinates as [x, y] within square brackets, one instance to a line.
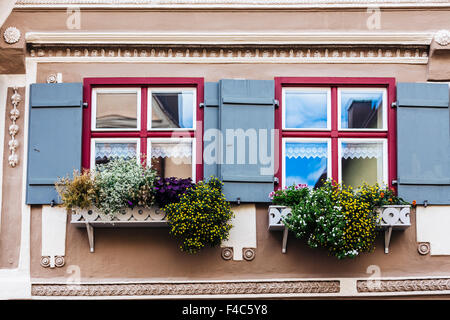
[392, 217]
[131, 218]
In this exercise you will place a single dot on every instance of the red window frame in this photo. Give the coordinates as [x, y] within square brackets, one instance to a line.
[334, 134]
[143, 134]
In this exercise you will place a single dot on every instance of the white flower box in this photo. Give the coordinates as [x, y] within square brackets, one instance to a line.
[392, 217]
[130, 218]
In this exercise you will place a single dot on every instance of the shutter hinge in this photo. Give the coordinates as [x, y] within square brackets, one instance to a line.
[276, 103]
[201, 105]
[394, 104]
[394, 182]
[85, 104]
[276, 180]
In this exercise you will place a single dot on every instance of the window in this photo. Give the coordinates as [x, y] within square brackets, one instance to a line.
[157, 118]
[339, 128]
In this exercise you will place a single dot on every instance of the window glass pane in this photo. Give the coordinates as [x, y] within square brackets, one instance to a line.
[362, 162]
[306, 109]
[361, 110]
[306, 163]
[105, 152]
[172, 110]
[172, 159]
[116, 110]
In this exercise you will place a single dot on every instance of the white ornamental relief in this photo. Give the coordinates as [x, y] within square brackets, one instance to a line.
[442, 37]
[11, 35]
[14, 114]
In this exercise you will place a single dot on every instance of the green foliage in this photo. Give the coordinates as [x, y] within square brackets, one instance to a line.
[111, 188]
[289, 196]
[335, 216]
[378, 196]
[201, 218]
[123, 183]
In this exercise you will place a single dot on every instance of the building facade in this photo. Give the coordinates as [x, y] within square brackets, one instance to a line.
[193, 73]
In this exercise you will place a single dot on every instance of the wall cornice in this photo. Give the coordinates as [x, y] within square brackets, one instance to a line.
[237, 38]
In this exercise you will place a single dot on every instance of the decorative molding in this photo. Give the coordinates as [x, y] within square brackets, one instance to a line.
[248, 253]
[189, 288]
[52, 78]
[279, 4]
[407, 285]
[424, 248]
[11, 35]
[52, 261]
[442, 37]
[227, 253]
[130, 217]
[232, 54]
[230, 38]
[14, 115]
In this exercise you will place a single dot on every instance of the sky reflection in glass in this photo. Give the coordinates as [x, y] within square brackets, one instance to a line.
[306, 109]
[306, 163]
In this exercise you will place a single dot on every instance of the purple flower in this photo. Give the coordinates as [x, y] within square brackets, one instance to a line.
[130, 203]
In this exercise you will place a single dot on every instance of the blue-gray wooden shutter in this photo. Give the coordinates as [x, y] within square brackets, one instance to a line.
[54, 140]
[246, 105]
[211, 128]
[423, 142]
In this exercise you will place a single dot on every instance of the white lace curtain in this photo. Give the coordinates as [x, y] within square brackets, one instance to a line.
[362, 150]
[115, 150]
[171, 150]
[306, 150]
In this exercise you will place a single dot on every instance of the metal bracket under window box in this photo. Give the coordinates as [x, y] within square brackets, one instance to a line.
[394, 217]
[130, 218]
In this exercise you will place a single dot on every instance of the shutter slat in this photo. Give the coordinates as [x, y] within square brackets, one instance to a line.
[54, 143]
[242, 100]
[423, 142]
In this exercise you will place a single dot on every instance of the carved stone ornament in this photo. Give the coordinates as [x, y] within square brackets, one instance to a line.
[11, 35]
[52, 78]
[227, 253]
[248, 254]
[442, 37]
[14, 114]
[51, 262]
[365, 286]
[424, 248]
[196, 288]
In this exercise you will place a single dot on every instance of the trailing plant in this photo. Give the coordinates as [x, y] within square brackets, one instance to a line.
[289, 196]
[335, 216]
[169, 190]
[78, 191]
[123, 183]
[201, 218]
[378, 196]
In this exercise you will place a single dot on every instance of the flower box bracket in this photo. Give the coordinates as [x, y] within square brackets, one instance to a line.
[129, 218]
[392, 217]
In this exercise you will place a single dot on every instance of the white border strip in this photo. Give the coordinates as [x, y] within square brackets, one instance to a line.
[231, 4]
[237, 38]
[208, 60]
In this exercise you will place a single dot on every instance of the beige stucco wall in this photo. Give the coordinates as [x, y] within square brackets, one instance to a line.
[151, 253]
